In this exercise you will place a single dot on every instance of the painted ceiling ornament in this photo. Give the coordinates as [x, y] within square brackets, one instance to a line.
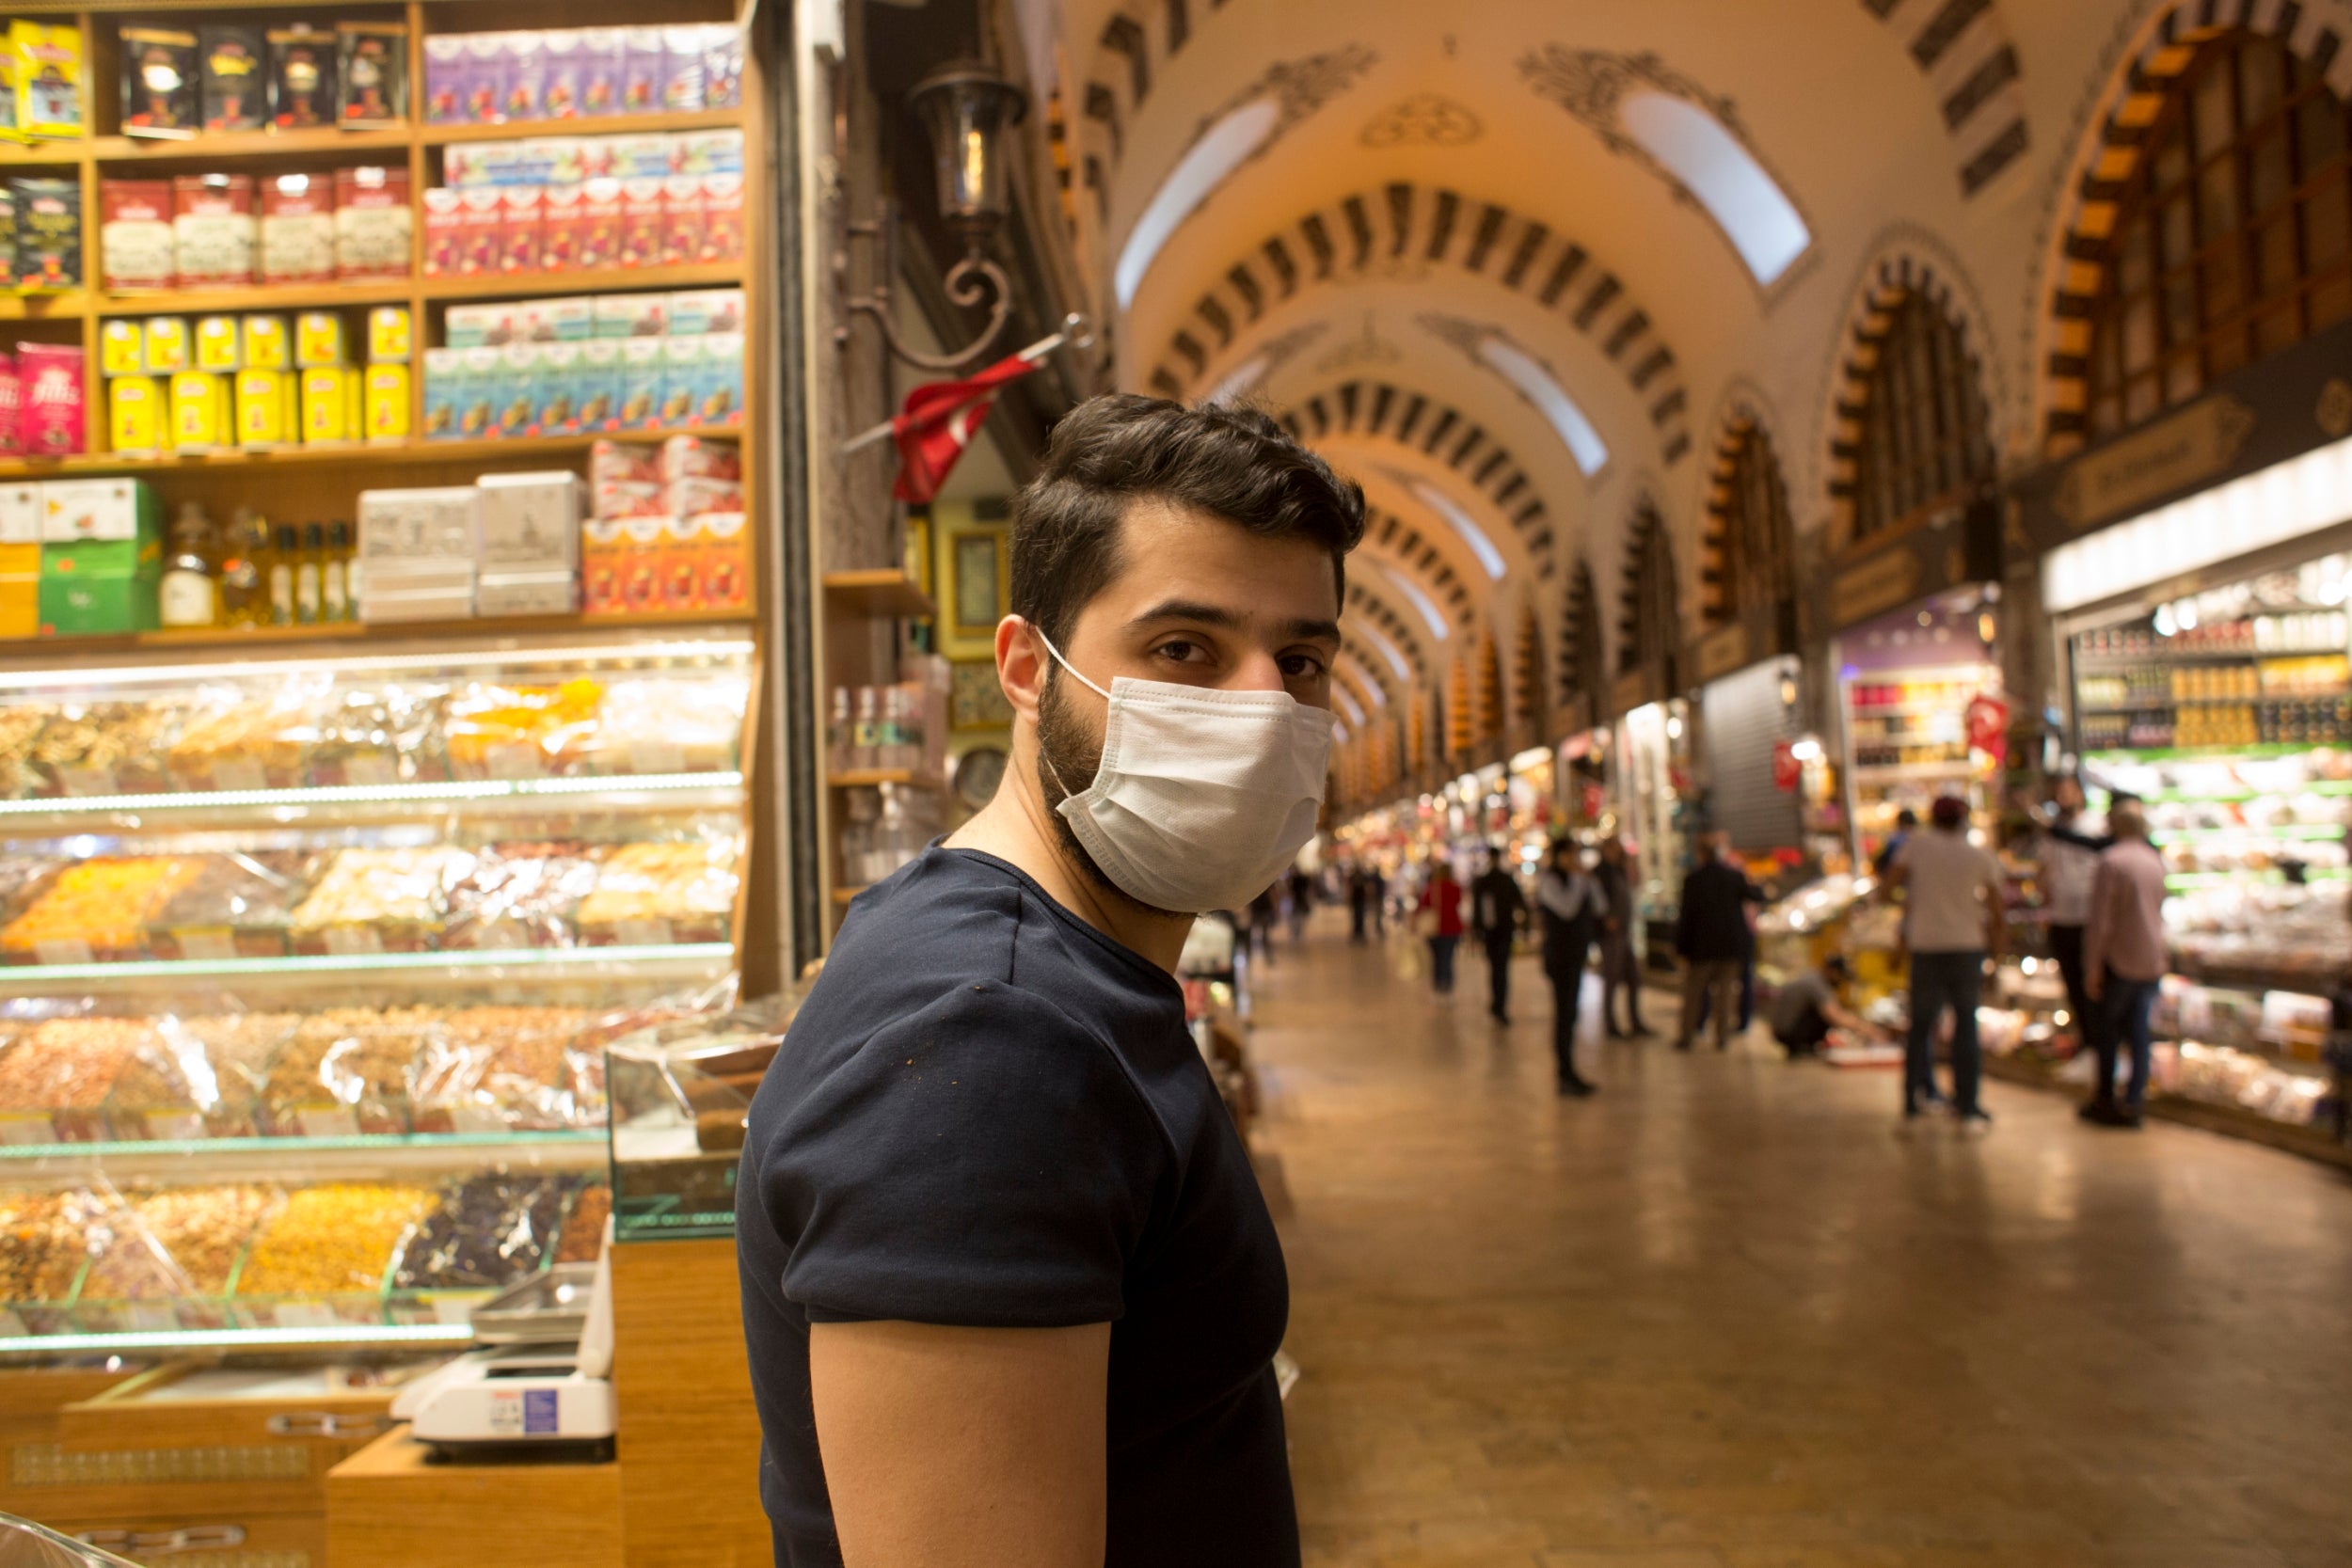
[1298, 88]
[1424, 119]
[1366, 348]
[1260, 369]
[1591, 84]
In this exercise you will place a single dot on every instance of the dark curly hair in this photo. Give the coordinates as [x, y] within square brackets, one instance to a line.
[1234, 462]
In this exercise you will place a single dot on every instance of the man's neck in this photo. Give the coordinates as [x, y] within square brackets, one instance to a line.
[1018, 827]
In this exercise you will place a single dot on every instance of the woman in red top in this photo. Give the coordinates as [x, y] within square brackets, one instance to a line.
[1442, 898]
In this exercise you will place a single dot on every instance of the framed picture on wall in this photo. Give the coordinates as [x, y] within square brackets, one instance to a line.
[980, 588]
[974, 700]
[919, 548]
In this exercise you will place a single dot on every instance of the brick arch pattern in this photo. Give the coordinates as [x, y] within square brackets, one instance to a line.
[1964, 49]
[2315, 30]
[1383, 411]
[1531, 705]
[1368, 603]
[1649, 620]
[1734, 545]
[1138, 40]
[1399, 541]
[1583, 671]
[1403, 231]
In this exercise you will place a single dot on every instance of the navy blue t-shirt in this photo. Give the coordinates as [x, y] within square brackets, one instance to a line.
[989, 1113]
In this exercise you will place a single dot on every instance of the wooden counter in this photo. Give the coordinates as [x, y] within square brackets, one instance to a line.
[392, 1506]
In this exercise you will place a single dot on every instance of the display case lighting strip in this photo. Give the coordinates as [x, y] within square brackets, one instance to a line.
[341, 795]
[236, 1339]
[433, 659]
[494, 957]
[362, 1143]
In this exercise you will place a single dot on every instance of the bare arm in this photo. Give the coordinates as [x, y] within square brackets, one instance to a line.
[962, 1448]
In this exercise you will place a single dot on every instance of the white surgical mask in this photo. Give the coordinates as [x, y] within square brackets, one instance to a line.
[1202, 797]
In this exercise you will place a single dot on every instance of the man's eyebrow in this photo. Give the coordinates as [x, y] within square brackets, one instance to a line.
[1305, 628]
[1313, 631]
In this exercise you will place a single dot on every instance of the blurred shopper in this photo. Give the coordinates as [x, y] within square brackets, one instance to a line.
[1302, 891]
[1619, 969]
[1263, 914]
[1440, 908]
[1570, 904]
[1806, 1009]
[1712, 936]
[2123, 949]
[1952, 923]
[1497, 912]
[1359, 896]
[2068, 862]
[1906, 823]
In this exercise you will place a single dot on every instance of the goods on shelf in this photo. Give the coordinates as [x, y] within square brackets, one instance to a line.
[610, 362]
[669, 528]
[379, 901]
[335, 1238]
[882, 727]
[661, 892]
[519, 895]
[43, 72]
[583, 1227]
[177, 1241]
[885, 829]
[486, 1231]
[97, 909]
[44, 254]
[41, 393]
[238, 906]
[1909, 741]
[43, 1243]
[2223, 1075]
[581, 72]
[555, 204]
[255, 380]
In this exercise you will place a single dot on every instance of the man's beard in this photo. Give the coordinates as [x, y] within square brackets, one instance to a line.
[1067, 751]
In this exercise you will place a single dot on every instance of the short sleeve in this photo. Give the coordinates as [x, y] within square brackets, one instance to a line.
[984, 1163]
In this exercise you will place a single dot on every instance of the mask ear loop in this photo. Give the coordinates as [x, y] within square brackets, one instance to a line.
[1081, 680]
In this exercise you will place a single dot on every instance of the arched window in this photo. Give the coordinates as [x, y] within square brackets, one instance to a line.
[2232, 234]
[1582, 670]
[1750, 537]
[1653, 612]
[1923, 442]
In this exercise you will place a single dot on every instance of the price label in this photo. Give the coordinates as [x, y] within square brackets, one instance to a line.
[506, 1412]
[515, 760]
[370, 770]
[476, 1119]
[346, 942]
[87, 781]
[453, 1309]
[11, 1326]
[306, 1314]
[239, 773]
[174, 1126]
[327, 1121]
[655, 756]
[152, 1315]
[207, 944]
[27, 1127]
[641, 933]
[62, 951]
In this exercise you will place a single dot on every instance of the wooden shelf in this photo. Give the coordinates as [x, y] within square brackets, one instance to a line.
[224, 146]
[882, 591]
[609, 125]
[281, 638]
[408, 452]
[860, 777]
[54, 154]
[263, 296]
[599, 280]
[64, 305]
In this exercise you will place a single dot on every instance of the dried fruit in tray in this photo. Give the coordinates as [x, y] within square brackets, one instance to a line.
[96, 910]
[336, 1239]
[346, 1070]
[240, 906]
[22, 878]
[258, 743]
[44, 1243]
[379, 901]
[59, 1079]
[583, 1227]
[488, 1231]
[106, 748]
[520, 732]
[520, 896]
[228, 1055]
[656, 893]
[368, 736]
[20, 727]
[178, 1241]
[495, 1069]
[670, 726]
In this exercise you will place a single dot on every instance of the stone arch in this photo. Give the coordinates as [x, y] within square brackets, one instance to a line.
[1583, 668]
[1649, 618]
[1404, 230]
[1394, 539]
[1384, 411]
[1737, 545]
[1400, 631]
[1971, 65]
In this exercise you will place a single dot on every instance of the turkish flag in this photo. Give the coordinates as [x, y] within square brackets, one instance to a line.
[939, 420]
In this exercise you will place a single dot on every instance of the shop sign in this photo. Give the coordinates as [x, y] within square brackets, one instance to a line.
[1962, 544]
[1887, 580]
[1987, 720]
[2187, 449]
[1720, 652]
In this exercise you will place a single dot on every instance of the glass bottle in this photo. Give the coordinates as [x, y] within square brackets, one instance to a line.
[335, 576]
[189, 595]
[309, 566]
[837, 732]
[245, 571]
[285, 545]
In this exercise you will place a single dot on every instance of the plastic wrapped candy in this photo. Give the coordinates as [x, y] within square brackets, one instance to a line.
[670, 726]
[655, 893]
[346, 1070]
[256, 743]
[96, 910]
[488, 1231]
[583, 1227]
[367, 736]
[520, 896]
[20, 728]
[239, 907]
[60, 1079]
[495, 1069]
[379, 901]
[224, 1057]
[179, 1241]
[115, 747]
[521, 732]
[44, 1242]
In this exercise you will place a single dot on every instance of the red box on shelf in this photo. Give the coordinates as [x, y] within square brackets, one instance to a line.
[559, 247]
[216, 234]
[522, 228]
[722, 218]
[482, 215]
[444, 233]
[682, 209]
[373, 227]
[135, 235]
[599, 225]
[643, 223]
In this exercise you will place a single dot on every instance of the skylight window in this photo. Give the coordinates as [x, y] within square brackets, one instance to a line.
[1242, 382]
[1222, 148]
[1371, 690]
[1420, 601]
[1379, 639]
[1461, 522]
[1725, 178]
[1348, 706]
[1534, 383]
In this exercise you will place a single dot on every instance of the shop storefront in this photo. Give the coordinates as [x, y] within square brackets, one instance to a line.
[1748, 691]
[2197, 572]
[1649, 788]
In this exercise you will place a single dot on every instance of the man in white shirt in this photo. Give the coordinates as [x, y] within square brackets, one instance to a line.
[2068, 860]
[1952, 923]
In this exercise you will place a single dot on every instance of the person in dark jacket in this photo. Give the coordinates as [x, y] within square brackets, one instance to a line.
[1571, 905]
[1497, 911]
[1712, 936]
[1619, 970]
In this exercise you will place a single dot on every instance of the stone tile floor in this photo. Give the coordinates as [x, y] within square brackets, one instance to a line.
[1721, 1317]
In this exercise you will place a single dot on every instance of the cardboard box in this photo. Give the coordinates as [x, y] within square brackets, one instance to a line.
[233, 77]
[444, 231]
[135, 233]
[604, 53]
[374, 224]
[101, 556]
[680, 561]
[718, 381]
[159, 82]
[444, 394]
[643, 222]
[596, 396]
[644, 66]
[391, 338]
[201, 412]
[522, 228]
[516, 391]
[603, 563]
[527, 543]
[600, 215]
[166, 348]
[561, 226]
[479, 231]
[51, 377]
[722, 222]
[682, 365]
[644, 367]
[268, 344]
[725, 542]
[482, 382]
[117, 511]
[479, 325]
[371, 74]
[526, 77]
[558, 384]
[444, 78]
[134, 414]
[416, 549]
[301, 77]
[298, 228]
[47, 63]
[682, 211]
[384, 403]
[318, 339]
[122, 347]
[48, 232]
[641, 563]
[569, 320]
[20, 560]
[219, 345]
[485, 77]
[326, 405]
[262, 416]
[12, 408]
[215, 234]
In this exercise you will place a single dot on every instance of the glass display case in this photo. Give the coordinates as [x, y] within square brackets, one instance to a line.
[312, 964]
[681, 1093]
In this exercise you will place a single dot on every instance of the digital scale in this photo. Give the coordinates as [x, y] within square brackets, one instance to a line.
[541, 1388]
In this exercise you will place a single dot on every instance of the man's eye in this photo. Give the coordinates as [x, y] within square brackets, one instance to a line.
[1302, 667]
[1179, 650]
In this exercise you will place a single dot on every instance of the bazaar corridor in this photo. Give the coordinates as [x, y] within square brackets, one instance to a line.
[1720, 1316]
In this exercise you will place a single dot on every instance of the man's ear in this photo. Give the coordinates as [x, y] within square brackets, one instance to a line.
[1020, 666]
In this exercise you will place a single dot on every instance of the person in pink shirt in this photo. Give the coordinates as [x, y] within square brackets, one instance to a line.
[2125, 958]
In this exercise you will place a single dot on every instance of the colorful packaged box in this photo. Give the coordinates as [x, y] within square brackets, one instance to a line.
[48, 232]
[642, 157]
[557, 384]
[159, 82]
[416, 551]
[641, 563]
[134, 232]
[261, 413]
[643, 372]
[479, 231]
[370, 73]
[478, 325]
[562, 222]
[11, 408]
[373, 223]
[719, 384]
[681, 220]
[232, 66]
[527, 543]
[695, 311]
[644, 66]
[604, 57]
[444, 389]
[301, 77]
[568, 319]
[720, 234]
[52, 377]
[517, 381]
[384, 403]
[216, 233]
[319, 339]
[326, 405]
[298, 229]
[724, 559]
[723, 46]
[134, 414]
[20, 560]
[165, 345]
[200, 411]
[444, 231]
[682, 79]
[643, 222]
[268, 344]
[485, 77]
[391, 339]
[100, 558]
[48, 71]
[122, 347]
[526, 77]
[522, 228]
[693, 497]
[219, 346]
[682, 362]
[598, 393]
[707, 152]
[603, 556]
[681, 563]
[566, 71]
[682, 457]
[444, 78]
[600, 224]
[633, 315]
